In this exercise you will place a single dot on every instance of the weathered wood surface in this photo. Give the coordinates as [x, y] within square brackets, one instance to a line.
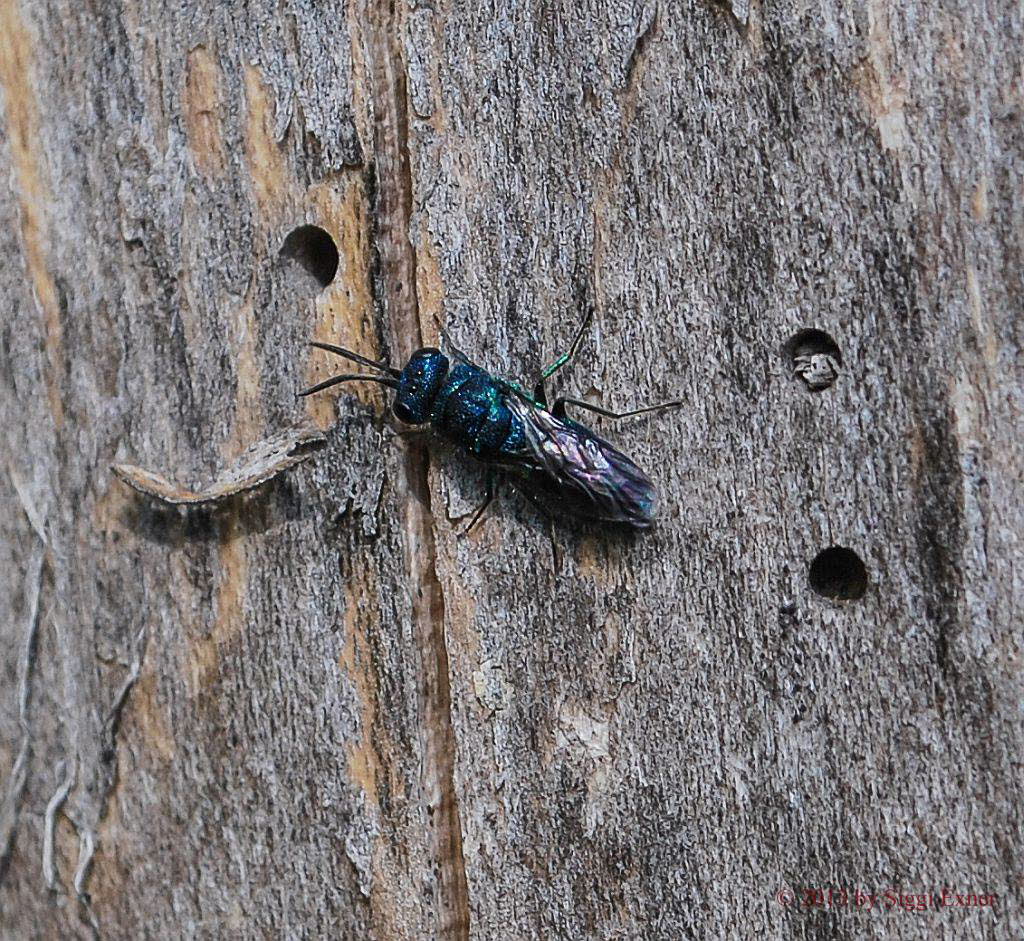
[317, 710]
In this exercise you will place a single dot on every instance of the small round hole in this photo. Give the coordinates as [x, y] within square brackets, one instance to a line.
[838, 573]
[814, 359]
[314, 249]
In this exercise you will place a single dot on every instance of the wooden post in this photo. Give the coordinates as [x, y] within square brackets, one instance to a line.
[315, 709]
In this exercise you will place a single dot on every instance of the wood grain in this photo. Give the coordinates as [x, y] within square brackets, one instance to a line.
[317, 709]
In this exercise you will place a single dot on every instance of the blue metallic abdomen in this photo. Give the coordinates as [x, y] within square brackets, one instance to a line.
[462, 402]
[470, 411]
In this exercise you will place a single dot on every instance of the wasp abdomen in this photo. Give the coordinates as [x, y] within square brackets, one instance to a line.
[470, 411]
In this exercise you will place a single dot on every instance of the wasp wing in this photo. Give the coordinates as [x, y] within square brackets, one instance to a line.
[571, 470]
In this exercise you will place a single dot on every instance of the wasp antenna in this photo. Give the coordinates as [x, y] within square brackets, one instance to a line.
[348, 377]
[356, 358]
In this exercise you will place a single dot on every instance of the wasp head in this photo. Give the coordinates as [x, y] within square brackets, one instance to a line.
[419, 383]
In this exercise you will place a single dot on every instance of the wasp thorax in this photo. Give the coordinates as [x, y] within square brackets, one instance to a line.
[419, 384]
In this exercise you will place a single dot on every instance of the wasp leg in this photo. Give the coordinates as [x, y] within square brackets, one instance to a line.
[492, 489]
[539, 395]
[513, 388]
[407, 434]
[573, 348]
[549, 519]
[543, 509]
[558, 409]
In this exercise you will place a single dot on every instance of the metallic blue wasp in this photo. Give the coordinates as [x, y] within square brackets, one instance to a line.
[557, 463]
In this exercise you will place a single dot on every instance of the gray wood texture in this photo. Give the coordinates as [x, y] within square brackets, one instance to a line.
[317, 710]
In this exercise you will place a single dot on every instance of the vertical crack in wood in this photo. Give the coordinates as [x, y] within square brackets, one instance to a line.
[397, 259]
[53, 806]
[108, 748]
[10, 810]
[639, 50]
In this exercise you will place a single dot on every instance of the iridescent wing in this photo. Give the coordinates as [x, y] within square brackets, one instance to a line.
[572, 470]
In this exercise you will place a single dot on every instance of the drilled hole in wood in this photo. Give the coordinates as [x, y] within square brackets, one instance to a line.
[814, 358]
[838, 573]
[314, 249]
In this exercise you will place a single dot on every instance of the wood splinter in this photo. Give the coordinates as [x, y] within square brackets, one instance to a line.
[256, 465]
